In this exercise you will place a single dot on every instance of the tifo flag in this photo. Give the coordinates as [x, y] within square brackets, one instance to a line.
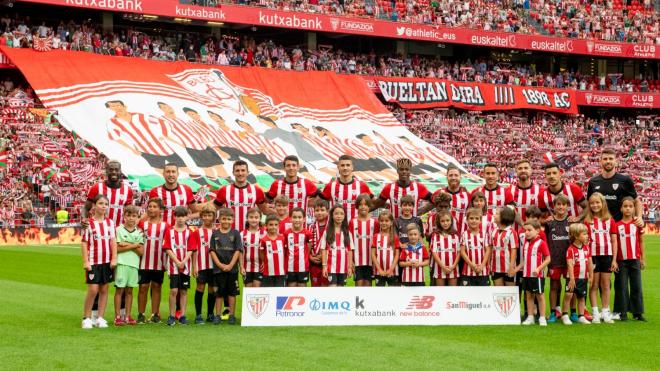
[549, 158]
[43, 44]
[205, 118]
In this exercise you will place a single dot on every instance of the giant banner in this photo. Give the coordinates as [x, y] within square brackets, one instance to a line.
[259, 16]
[377, 306]
[203, 118]
[418, 93]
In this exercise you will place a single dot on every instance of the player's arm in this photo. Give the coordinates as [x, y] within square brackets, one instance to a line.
[639, 212]
[374, 259]
[545, 262]
[84, 247]
[351, 268]
[571, 274]
[84, 222]
[401, 262]
[465, 258]
[376, 203]
[512, 261]
[642, 253]
[238, 246]
[139, 248]
[265, 209]
[113, 253]
[425, 208]
[123, 246]
[172, 257]
[425, 260]
[488, 252]
[590, 268]
[615, 252]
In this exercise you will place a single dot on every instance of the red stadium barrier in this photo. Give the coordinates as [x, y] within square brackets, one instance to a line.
[369, 27]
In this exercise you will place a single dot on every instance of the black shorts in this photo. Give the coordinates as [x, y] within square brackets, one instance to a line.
[226, 284]
[205, 157]
[413, 284]
[252, 276]
[533, 284]
[205, 276]
[580, 289]
[389, 281]
[496, 276]
[298, 277]
[475, 281]
[364, 273]
[180, 281]
[273, 281]
[146, 276]
[602, 263]
[338, 279]
[100, 274]
[159, 162]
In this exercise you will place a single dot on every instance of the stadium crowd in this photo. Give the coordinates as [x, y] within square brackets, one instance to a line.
[617, 20]
[247, 51]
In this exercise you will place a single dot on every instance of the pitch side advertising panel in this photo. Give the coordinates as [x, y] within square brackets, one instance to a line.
[345, 306]
[364, 26]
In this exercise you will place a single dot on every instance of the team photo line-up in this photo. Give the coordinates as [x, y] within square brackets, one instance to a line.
[504, 236]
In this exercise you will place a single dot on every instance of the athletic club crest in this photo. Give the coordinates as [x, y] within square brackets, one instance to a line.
[615, 186]
[504, 303]
[334, 22]
[257, 304]
[588, 97]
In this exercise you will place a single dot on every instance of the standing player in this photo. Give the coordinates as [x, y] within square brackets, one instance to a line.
[298, 240]
[317, 229]
[414, 258]
[345, 189]
[298, 190]
[362, 229]
[580, 269]
[337, 248]
[251, 236]
[151, 270]
[525, 193]
[393, 192]
[272, 255]
[535, 258]
[99, 253]
[475, 251]
[496, 196]
[556, 232]
[504, 242]
[241, 196]
[555, 186]
[203, 267]
[225, 250]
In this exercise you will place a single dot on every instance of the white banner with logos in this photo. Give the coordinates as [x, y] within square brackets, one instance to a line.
[345, 306]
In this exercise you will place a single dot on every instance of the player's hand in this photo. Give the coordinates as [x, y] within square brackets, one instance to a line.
[113, 263]
[242, 271]
[642, 264]
[615, 266]
[537, 271]
[179, 265]
[325, 272]
[87, 266]
[511, 272]
[446, 269]
[573, 219]
[381, 272]
[479, 268]
[195, 273]
[639, 222]
[84, 224]
[571, 284]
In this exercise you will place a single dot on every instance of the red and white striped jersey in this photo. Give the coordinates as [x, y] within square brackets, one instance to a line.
[411, 254]
[580, 256]
[429, 225]
[337, 253]
[362, 233]
[274, 255]
[475, 248]
[298, 192]
[460, 202]
[117, 199]
[526, 197]
[447, 246]
[180, 242]
[241, 200]
[502, 242]
[487, 224]
[251, 243]
[182, 195]
[534, 252]
[600, 236]
[154, 237]
[629, 238]
[184, 132]
[297, 250]
[393, 192]
[317, 233]
[495, 197]
[145, 136]
[572, 192]
[99, 237]
[338, 193]
[285, 225]
[386, 250]
[203, 260]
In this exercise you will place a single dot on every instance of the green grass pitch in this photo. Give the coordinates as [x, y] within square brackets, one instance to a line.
[42, 289]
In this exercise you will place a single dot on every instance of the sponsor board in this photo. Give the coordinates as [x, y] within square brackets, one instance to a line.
[345, 306]
[351, 25]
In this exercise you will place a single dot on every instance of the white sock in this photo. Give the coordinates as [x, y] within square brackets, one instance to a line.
[95, 314]
[594, 310]
[606, 311]
[122, 313]
[558, 308]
